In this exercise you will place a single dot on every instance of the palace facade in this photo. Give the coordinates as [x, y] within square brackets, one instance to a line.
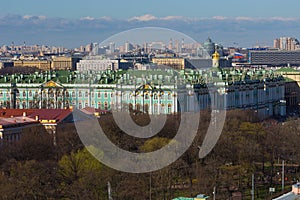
[151, 91]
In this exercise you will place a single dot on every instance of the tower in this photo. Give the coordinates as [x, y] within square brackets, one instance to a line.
[170, 47]
[216, 59]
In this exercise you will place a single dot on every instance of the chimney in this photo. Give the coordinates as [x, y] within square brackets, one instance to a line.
[36, 118]
[24, 114]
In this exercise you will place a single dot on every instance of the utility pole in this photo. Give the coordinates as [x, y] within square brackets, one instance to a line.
[109, 191]
[214, 193]
[150, 183]
[252, 191]
[282, 178]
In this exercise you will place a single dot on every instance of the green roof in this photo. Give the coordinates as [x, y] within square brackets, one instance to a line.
[287, 69]
[286, 79]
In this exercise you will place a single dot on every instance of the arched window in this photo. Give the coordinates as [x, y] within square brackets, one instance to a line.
[169, 108]
[155, 109]
[138, 107]
[169, 95]
[59, 104]
[130, 106]
[146, 96]
[146, 108]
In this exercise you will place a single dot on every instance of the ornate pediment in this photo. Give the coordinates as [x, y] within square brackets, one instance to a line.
[52, 84]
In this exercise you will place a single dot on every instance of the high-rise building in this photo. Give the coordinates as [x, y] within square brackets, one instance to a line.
[286, 43]
[128, 47]
[112, 47]
[170, 46]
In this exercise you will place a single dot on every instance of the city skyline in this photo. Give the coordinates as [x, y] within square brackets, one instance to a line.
[239, 31]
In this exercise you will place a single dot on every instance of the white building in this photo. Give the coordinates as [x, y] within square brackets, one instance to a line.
[96, 63]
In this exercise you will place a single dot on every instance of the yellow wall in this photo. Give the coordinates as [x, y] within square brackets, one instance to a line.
[177, 63]
[61, 63]
[40, 64]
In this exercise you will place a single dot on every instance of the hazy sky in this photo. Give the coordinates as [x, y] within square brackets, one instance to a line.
[73, 23]
[126, 9]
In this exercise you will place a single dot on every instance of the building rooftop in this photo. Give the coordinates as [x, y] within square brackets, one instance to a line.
[287, 196]
[154, 76]
[287, 69]
[43, 115]
[16, 122]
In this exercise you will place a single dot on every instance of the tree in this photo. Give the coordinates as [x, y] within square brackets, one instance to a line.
[81, 176]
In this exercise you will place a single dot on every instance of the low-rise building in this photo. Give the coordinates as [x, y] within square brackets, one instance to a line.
[64, 63]
[13, 121]
[274, 57]
[39, 64]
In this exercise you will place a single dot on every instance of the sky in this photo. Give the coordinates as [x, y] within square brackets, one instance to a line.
[126, 9]
[76, 22]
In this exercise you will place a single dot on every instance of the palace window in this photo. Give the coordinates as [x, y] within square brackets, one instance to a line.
[23, 104]
[146, 108]
[155, 109]
[138, 107]
[169, 95]
[80, 94]
[86, 94]
[169, 108]
[30, 104]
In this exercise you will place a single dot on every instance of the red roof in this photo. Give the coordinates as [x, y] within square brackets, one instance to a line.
[16, 121]
[43, 114]
[92, 111]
